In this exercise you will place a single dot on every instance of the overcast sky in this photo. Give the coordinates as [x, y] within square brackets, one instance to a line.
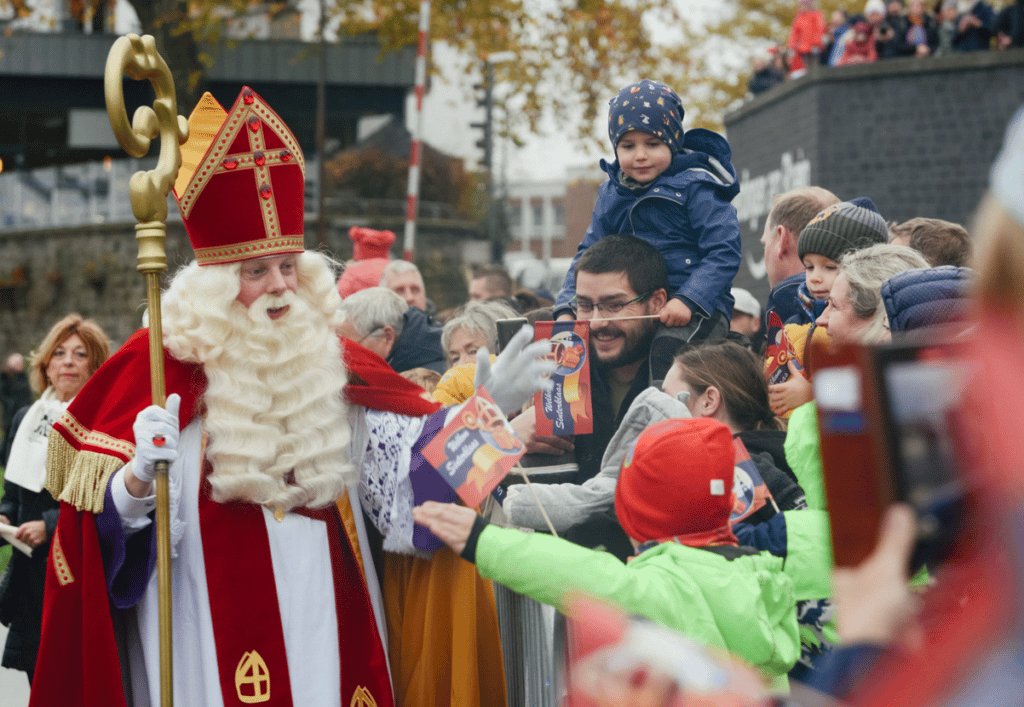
[544, 156]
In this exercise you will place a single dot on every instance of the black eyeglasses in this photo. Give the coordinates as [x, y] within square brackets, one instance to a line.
[373, 332]
[609, 308]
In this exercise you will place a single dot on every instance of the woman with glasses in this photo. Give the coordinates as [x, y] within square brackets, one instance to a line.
[67, 357]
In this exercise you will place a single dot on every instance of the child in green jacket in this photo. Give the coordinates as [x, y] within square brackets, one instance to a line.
[673, 498]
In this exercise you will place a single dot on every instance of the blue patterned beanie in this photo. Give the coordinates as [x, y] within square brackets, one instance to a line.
[649, 107]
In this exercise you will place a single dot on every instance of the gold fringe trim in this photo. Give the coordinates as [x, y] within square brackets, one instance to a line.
[78, 477]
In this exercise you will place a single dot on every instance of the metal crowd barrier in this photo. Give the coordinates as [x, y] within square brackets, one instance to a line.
[529, 649]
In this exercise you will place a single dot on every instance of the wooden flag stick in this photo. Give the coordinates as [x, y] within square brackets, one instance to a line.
[526, 477]
[619, 319]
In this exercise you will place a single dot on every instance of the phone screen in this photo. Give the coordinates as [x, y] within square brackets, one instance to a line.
[922, 396]
[507, 328]
[889, 428]
[921, 390]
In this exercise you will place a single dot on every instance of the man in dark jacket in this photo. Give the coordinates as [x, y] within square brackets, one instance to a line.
[890, 35]
[764, 76]
[1010, 26]
[619, 281]
[791, 211]
[976, 27]
[379, 319]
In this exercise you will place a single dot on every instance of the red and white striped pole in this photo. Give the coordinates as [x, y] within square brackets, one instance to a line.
[413, 194]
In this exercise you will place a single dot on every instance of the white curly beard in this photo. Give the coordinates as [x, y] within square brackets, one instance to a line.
[277, 423]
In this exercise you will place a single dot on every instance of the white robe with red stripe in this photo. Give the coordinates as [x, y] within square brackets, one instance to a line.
[300, 554]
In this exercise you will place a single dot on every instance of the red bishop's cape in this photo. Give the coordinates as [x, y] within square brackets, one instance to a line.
[78, 659]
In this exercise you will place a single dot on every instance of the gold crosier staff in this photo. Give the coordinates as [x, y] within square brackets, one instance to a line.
[137, 57]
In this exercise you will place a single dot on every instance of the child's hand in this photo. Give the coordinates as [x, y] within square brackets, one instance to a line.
[675, 313]
[449, 522]
[792, 394]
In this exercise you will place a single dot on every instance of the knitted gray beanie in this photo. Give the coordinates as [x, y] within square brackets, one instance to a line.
[840, 228]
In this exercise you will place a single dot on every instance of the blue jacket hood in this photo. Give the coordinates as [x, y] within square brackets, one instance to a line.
[926, 297]
[703, 151]
[418, 346]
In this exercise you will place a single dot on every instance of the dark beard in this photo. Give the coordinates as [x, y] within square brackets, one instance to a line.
[633, 351]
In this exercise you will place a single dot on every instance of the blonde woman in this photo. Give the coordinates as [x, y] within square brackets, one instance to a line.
[68, 356]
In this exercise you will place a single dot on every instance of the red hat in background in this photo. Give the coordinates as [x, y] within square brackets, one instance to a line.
[370, 251]
[359, 276]
[242, 183]
[676, 483]
[368, 243]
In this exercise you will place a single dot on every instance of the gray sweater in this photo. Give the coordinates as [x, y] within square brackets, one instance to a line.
[570, 504]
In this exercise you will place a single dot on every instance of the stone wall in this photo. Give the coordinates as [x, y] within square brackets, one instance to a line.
[917, 136]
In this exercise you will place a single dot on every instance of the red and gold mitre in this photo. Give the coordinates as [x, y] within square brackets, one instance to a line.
[242, 182]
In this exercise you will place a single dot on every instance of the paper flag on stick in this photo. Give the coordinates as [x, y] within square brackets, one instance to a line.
[750, 492]
[476, 448]
[566, 408]
[779, 353]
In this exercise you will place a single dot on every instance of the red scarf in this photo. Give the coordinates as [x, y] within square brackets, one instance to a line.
[374, 384]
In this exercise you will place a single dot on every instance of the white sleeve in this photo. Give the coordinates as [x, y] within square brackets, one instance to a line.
[385, 489]
[134, 511]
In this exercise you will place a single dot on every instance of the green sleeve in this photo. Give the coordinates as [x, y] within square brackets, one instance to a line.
[545, 568]
[809, 554]
[803, 454]
[744, 606]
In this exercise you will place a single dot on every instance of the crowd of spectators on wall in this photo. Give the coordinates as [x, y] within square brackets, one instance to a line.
[887, 30]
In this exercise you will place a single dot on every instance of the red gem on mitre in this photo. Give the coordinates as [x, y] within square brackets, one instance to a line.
[265, 191]
[248, 96]
[253, 122]
[230, 162]
[259, 158]
[286, 155]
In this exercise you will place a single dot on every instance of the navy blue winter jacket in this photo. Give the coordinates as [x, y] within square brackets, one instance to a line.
[685, 214]
[926, 297]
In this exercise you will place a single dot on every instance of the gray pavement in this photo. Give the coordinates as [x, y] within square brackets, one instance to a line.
[13, 683]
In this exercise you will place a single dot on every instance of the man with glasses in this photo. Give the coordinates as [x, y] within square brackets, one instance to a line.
[621, 286]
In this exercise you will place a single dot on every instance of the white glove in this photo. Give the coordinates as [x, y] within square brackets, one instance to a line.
[152, 422]
[518, 373]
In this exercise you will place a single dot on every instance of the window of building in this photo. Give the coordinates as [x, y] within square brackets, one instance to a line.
[558, 207]
[514, 210]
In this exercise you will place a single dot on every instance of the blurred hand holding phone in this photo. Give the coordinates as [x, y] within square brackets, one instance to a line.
[888, 419]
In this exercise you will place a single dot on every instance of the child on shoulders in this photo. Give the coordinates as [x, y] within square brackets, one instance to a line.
[672, 189]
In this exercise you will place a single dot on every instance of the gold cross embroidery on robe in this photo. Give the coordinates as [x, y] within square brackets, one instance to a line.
[252, 679]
